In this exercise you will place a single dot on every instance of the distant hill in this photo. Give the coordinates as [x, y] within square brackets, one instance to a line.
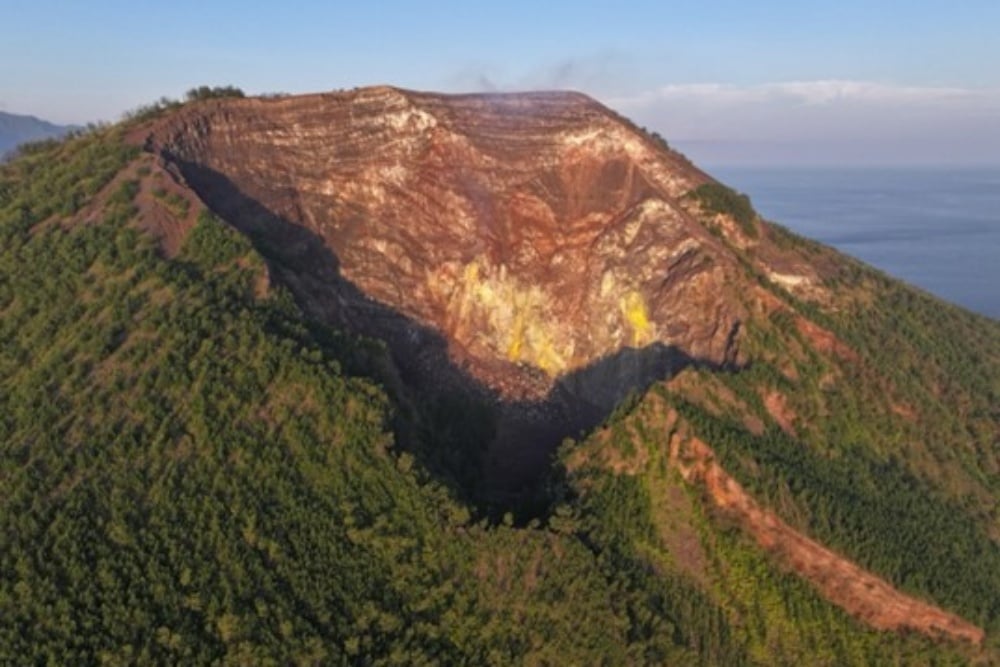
[16, 129]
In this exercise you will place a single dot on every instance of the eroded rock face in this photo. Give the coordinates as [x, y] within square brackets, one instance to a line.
[525, 242]
[538, 233]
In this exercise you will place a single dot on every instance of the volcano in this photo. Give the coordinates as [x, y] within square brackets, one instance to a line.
[391, 377]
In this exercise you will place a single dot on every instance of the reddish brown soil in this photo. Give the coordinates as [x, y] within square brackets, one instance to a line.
[776, 404]
[823, 340]
[166, 220]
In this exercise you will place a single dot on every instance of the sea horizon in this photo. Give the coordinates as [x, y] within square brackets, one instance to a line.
[935, 227]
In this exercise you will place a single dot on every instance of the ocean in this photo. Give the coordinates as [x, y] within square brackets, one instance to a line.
[936, 228]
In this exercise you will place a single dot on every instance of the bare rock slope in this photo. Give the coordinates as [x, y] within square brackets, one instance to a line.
[536, 233]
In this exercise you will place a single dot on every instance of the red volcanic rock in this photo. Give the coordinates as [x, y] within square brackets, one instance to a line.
[536, 233]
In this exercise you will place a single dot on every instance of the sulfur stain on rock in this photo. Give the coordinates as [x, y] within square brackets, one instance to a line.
[525, 323]
[633, 308]
[517, 338]
[509, 317]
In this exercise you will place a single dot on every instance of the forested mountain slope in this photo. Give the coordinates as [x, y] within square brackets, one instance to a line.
[206, 456]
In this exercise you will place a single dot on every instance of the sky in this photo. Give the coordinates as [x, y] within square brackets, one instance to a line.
[766, 82]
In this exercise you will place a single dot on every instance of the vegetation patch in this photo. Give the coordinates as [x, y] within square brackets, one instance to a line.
[177, 204]
[717, 198]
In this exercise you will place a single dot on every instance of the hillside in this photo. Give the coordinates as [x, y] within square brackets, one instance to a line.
[402, 378]
[17, 129]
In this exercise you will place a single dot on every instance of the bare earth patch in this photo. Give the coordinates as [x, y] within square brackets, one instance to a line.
[777, 406]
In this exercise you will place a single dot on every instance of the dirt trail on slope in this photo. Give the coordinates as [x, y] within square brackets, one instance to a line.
[859, 592]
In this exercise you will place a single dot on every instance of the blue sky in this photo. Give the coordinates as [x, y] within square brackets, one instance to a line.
[730, 82]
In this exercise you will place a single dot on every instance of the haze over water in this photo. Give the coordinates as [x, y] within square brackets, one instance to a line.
[936, 228]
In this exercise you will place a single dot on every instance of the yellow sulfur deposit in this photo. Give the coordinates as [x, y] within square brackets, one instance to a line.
[633, 309]
[517, 320]
[510, 317]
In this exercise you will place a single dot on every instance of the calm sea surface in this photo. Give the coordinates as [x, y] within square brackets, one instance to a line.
[938, 229]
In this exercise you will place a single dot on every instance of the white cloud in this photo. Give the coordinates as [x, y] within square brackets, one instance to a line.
[856, 120]
[822, 92]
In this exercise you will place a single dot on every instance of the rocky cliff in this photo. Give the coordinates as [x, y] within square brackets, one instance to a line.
[536, 233]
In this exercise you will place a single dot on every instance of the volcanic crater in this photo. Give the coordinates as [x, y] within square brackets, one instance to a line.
[534, 250]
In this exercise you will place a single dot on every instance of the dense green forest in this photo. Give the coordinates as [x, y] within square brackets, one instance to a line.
[896, 458]
[192, 472]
